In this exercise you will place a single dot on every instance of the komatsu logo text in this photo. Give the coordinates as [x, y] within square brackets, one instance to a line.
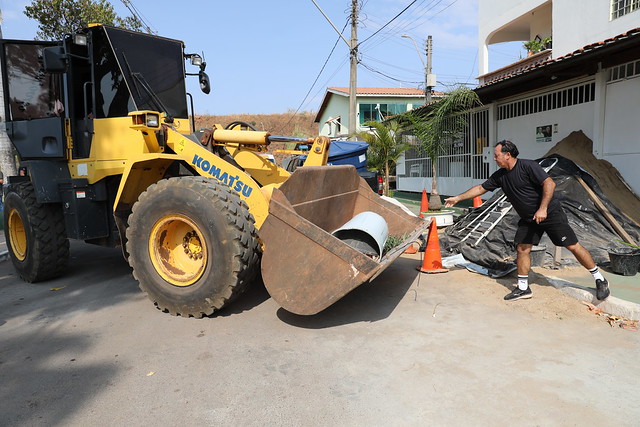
[232, 181]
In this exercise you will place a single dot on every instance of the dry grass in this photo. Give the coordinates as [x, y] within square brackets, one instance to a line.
[285, 124]
[300, 125]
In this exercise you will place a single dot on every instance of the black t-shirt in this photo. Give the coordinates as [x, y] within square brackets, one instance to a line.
[523, 187]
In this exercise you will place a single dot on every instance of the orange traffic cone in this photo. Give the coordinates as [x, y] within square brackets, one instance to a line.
[411, 249]
[477, 201]
[432, 262]
[424, 204]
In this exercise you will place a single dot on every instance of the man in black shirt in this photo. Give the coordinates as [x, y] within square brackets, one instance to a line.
[530, 190]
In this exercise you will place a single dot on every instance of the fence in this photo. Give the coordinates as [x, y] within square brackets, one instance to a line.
[462, 155]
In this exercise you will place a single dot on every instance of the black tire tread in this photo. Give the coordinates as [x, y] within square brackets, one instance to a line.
[50, 250]
[241, 223]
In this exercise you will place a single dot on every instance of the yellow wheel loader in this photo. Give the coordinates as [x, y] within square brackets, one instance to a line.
[100, 120]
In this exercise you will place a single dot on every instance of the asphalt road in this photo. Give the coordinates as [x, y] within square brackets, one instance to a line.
[408, 349]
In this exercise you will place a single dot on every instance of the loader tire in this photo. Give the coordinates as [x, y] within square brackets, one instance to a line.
[192, 245]
[35, 235]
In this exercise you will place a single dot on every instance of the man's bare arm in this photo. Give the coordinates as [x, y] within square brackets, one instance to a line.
[548, 187]
[474, 191]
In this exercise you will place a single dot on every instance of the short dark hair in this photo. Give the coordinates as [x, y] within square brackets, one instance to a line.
[508, 147]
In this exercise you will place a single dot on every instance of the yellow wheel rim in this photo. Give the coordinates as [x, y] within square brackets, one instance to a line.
[17, 235]
[178, 250]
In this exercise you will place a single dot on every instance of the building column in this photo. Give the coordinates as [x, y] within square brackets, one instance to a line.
[483, 59]
[599, 112]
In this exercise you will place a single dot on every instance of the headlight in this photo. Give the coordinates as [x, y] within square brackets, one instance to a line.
[196, 60]
[153, 120]
[80, 39]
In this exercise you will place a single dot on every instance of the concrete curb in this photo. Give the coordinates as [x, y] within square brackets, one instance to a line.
[612, 305]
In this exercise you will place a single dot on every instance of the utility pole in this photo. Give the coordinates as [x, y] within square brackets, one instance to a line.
[430, 79]
[353, 56]
[353, 74]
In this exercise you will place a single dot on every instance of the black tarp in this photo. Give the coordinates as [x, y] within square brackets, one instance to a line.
[497, 251]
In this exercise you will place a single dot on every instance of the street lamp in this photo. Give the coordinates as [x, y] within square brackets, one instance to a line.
[407, 36]
[429, 79]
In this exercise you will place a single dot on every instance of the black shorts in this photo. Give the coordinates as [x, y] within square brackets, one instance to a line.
[556, 226]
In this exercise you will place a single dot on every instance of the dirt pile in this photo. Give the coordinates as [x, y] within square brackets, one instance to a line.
[579, 148]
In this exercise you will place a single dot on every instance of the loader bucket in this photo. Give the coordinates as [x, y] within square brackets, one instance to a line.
[306, 269]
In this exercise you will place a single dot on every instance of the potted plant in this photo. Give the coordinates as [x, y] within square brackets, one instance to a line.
[537, 45]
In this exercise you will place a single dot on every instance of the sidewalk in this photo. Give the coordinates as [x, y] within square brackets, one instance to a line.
[578, 283]
[575, 281]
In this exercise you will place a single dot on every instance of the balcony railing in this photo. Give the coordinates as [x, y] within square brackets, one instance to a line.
[516, 67]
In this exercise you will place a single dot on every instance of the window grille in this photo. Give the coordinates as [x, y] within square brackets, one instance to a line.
[550, 101]
[622, 7]
[624, 71]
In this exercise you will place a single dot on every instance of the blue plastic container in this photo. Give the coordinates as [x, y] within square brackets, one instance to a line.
[347, 153]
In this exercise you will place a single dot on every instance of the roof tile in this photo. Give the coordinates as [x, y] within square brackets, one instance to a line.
[379, 90]
[582, 50]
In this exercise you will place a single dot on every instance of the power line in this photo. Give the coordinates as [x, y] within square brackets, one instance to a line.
[421, 9]
[318, 76]
[432, 7]
[392, 19]
[472, 67]
[420, 12]
[136, 13]
[389, 30]
[443, 9]
[385, 75]
[408, 70]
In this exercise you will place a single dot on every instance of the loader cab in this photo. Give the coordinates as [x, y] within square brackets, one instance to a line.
[33, 100]
[55, 91]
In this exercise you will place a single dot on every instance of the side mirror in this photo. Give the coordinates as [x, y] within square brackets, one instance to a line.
[205, 85]
[54, 59]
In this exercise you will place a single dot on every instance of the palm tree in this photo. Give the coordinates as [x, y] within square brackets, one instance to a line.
[385, 147]
[443, 123]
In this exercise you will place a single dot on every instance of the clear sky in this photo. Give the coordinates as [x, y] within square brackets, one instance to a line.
[264, 56]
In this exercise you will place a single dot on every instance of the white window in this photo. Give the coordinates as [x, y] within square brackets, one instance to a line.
[622, 7]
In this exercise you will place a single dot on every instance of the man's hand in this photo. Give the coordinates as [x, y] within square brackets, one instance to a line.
[540, 215]
[451, 201]
[469, 194]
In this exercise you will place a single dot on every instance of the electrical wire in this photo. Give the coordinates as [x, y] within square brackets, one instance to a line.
[318, 76]
[392, 32]
[389, 31]
[421, 9]
[385, 25]
[385, 75]
[472, 67]
[136, 13]
[408, 70]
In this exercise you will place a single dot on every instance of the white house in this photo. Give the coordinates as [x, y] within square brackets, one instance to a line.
[589, 81]
[372, 103]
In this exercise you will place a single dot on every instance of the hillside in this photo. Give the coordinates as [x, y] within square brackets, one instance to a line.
[286, 124]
